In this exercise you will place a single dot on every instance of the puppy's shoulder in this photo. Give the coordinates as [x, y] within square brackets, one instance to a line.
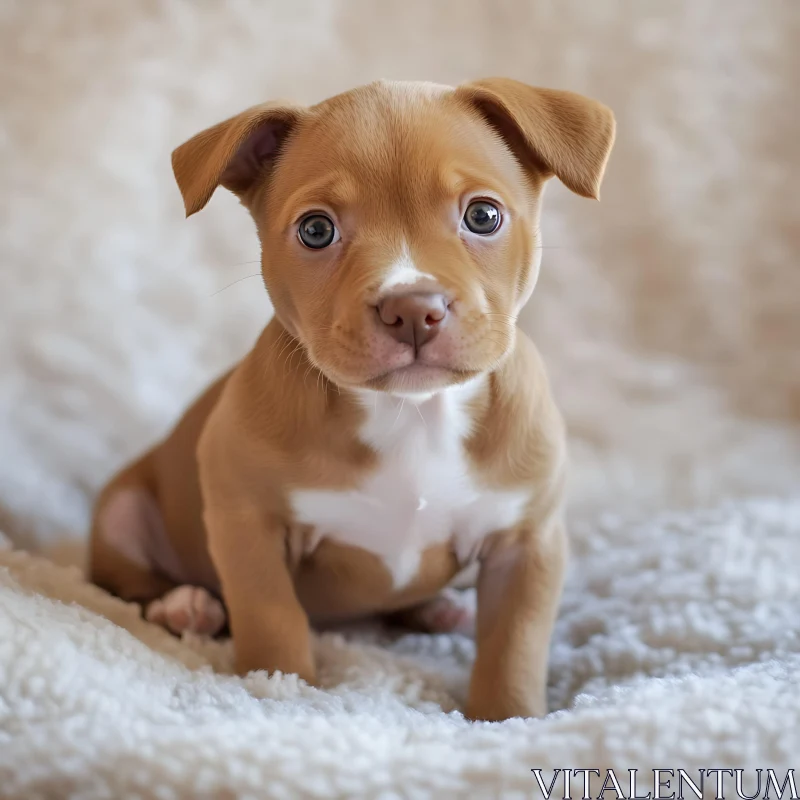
[520, 434]
[276, 405]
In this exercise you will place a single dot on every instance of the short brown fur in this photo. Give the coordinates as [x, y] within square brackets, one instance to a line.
[391, 163]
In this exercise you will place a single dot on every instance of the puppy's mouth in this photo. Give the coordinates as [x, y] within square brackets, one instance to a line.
[418, 377]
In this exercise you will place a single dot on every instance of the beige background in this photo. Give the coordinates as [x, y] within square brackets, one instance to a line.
[669, 313]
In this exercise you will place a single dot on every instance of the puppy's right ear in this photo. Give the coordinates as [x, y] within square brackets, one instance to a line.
[234, 154]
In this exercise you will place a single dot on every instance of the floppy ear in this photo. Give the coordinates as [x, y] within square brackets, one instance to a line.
[233, 154]
[565, 134]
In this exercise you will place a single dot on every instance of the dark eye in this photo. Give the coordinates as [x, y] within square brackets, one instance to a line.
[316, 231]
[482, 217]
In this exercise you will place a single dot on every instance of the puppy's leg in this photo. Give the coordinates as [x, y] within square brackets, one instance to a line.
[131, 558]
[270, 628]
[519, 587]
[244, 516]
[126, 521]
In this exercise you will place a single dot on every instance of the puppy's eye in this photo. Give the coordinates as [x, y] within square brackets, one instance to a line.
[482, 217]
[317, 231]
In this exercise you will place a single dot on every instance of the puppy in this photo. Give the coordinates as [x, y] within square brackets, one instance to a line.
[392, 427]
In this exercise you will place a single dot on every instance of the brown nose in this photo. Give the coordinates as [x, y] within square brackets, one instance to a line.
[413, 318]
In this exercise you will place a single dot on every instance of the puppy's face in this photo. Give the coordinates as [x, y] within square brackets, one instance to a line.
[399, 239]
[399, 222]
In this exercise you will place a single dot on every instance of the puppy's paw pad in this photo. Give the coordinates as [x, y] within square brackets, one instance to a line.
[446, 613]
[188, 609]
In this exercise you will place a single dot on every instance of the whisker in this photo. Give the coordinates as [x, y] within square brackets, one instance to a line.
[495, 341]
[397, 418]
[238, 280]
[500, 314]
[289, 357]
[424, 424]
[298, 349]
[241, 264]
[504, 331]
[286, 345]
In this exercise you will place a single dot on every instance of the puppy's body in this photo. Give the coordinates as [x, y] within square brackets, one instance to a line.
[391, 427]
[386, 517]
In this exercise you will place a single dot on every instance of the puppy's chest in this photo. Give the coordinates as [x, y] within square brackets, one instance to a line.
[422, 492]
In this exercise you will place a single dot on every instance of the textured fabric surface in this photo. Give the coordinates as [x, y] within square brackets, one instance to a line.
[677, 646]
[668, 314]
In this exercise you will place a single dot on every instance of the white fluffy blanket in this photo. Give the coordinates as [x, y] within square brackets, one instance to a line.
[677, 647]
[668, 314]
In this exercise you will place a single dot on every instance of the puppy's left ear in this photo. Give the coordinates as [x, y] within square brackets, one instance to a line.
[561, 133]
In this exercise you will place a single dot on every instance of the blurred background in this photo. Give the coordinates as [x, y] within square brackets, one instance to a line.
[668, 313]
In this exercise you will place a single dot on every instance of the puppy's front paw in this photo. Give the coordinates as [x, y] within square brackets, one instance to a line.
[303, 667]
[188, 609]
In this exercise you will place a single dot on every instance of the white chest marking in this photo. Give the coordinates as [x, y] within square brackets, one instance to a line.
[420, 495]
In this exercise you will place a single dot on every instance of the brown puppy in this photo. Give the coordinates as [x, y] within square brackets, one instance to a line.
[392, 427]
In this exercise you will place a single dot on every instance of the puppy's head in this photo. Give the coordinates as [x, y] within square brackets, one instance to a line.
[399, 221]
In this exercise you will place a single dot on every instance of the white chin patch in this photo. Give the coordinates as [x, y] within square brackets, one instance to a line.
[415, 397]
